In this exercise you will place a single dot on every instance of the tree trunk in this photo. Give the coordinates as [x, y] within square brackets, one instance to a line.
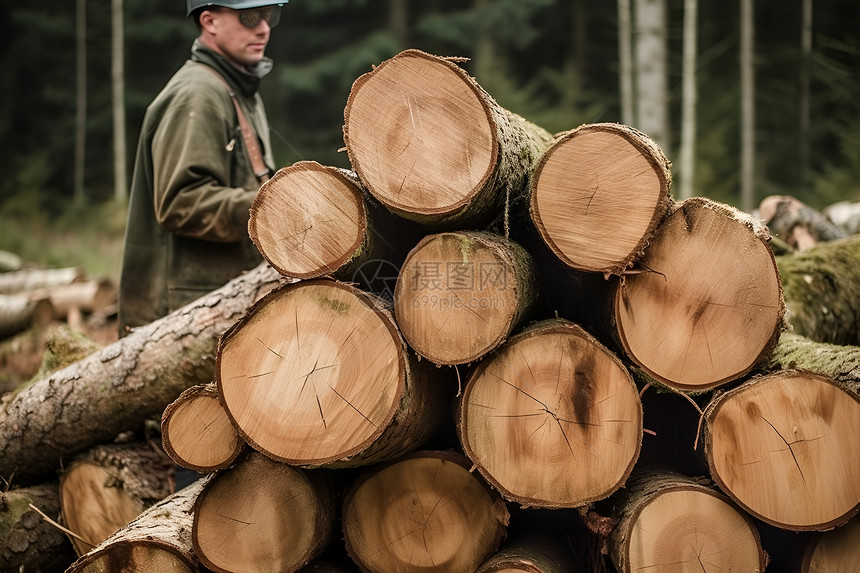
[747, 72]
[688, 101]
[31, 279]
[669, 522]
[80, 100]
[598, 194]
[116, 389]
[27, 541]
[460, 294]
[117, 58]
[707, 305]
[264, 516]
[425, 512]
[625, 62]
[316, 374]
[431, 145]
[311, 220]
[834, 551]
[651, 70]
[553, 419]
[197, 433]
[108, 486]
[784, 447]
[159, 539]
[822, 287]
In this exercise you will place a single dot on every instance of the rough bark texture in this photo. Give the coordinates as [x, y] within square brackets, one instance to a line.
[116, 389]
[670, 522]
[838, 362]
[108, 486]
[822, 287]
[460, 294]
[28, 541]
[157, 540]
[790, 435]
[433, 146]
[598, 194]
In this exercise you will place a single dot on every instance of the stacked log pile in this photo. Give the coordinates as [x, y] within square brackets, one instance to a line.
[485, 348]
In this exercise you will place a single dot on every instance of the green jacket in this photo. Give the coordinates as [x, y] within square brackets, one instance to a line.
[191, 191]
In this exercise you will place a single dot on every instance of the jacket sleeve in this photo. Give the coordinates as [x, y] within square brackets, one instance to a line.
[195, 156]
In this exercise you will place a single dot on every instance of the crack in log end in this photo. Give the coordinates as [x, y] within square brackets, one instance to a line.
[788, 445]
[269, 348]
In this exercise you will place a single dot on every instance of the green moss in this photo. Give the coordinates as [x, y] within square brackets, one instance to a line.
[467, 246]
[12, 507]
[337, 306]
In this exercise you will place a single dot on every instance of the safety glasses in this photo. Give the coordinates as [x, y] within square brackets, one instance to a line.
[251, 17]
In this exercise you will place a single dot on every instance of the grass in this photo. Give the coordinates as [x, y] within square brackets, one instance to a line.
[89, 237]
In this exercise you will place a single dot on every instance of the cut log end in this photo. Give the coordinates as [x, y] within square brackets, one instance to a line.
[553, 419]
[419, 132]
[707, 305]
[426, 512]
[598, 194]
[459, 295]
[308, 220]
[834, 551]
[313, 374]
[785, 448]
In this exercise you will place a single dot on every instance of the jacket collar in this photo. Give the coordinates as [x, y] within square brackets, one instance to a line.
[246, 83]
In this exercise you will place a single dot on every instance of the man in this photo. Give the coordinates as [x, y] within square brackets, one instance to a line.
[196, 173]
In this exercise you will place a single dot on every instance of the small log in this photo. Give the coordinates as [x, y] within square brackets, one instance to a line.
[116, 389]
[668, 522]
[822, 287]
[553, 419]
[159, 539]
[108, 486]
[424, 512]
[32, 279]
[784, 447]
[261, 515]
[87, 296]
[705, 306]
[598, 194]
[20, 312]
[27, 541]
[834, 551]
[796, 223]
[197, 433]
[460, 294]
[316, 374]
[431, 145]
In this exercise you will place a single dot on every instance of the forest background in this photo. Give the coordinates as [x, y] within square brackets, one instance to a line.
[558, 63]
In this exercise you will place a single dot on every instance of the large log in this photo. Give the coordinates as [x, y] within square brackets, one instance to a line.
[553, 419]
[117, 388]
[27, 541]
[108, 486]
[784, 447]
[159, 539]
[822, 287]
[706, 306]
[669, 522]
[264, 516]
[598, 194]
[431, 145]
[834, 551]
[425, 512]
[460, 294]
[317, 374]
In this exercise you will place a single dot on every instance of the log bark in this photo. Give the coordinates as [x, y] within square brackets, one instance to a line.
[784, 447]
[598, 194]
[796, 223]
[159, 539]
[431, 145]
[27, 541]
[32, 279]
[553, 419]
[840, 363]
[316, 374]
[20, 312]
[197, 433]
[264, 516]
[117, 388]
[706, 306]
[86, 296]
[537, 544]
[822, 286]
[460, 294]
[669, 522]
[834, 551]
[108, 486]
[424, 512]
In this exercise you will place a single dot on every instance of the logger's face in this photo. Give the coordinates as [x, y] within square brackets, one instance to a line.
[241, 36]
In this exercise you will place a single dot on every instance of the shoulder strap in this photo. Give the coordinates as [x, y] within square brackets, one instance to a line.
[251, 143]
